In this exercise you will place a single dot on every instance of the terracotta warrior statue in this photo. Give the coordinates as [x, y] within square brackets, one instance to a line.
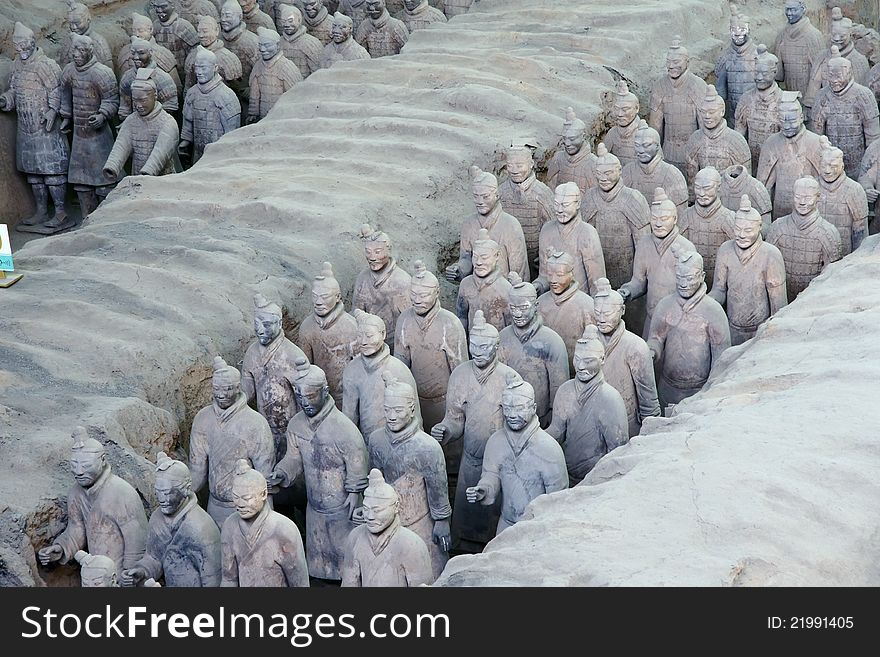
[223, 433]
[707, 223]
[96, 570]
[380, 33]
[328, 451]
[536, 352]
[620, 215]
[714, 144]
[297, 44]
[735, 69]
[620, 139]
[166, 89]
[418, 14]
[79, 22]
[272, 75]
[90, 100]
[565, 308]
[260, 546]
[328, 336]
[654, 265]
[589, 416]
[254, 17]
[210, 110]
[193, 10]
[846, 112]
[228, 64]
[342, 47]
[757, 113]
[521, 461]
[241, 42]
[175, 33]
[149, 136]
[486, 290]
[526, 198]
[807, 241]
[841, 38]
[790, 154]
[317, 19]
[354, 9]
[142, 28]
[362, 387]
[675, 101]
[504, 229]
[796, 46]
[431, 341]
[869, 174]
[382, 551]
[414, 463]
[268, 371]
[105, 514]
[568, 231]
[41, 151]
[629, 367]
[473, 413]
[455, 7]
[382, 288]
[650, 171]
[573, 162]
[183, 541]
[749, 276]
[689, 332]
[736, 181]
[842, 200]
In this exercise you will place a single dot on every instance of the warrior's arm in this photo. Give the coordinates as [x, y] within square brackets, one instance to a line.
[351, 567]
[401, 347]
[490, 478]
[109, 96]
[455, 346]
[437, 485]
[293, 560]
[657, 333]
[354, 455]
[262, 449]
[230, 566]
[641, 368]
[860, 227]
[186, 129]
[291, 465]
[454, 418]
[557, 370]
[401, 36]
[558, 426]
[151, 562]
[133, 529]
[462, 308]
[230, 118]
[719, 282]
[198, 459]
[517, 257]
[741, 118]
[638, 285]
[254, 101]
[121, 150]
[73, 537]
[655, 119]
[871, 124]
[594, 259]
[721, 77]
[719, 335]
[350, 396]
[248, 384]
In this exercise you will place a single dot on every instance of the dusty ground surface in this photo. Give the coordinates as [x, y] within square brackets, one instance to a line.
[114, 325]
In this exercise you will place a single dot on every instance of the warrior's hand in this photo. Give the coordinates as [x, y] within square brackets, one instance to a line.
[133, 576]
[96, 121]
[110, 173]
[3, 104]
[475, 494]
[49, 119]
[273, 482]
[440, 432]
[541, 286]
[653, 354]
[183, 147]
[441, 534]
[624, 293]
[65, 125]
[872, 194]
[452, 273]
[49, 554]
[354, 503]
[251, 119]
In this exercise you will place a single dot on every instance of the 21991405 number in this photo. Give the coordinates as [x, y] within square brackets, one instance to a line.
[810, 623]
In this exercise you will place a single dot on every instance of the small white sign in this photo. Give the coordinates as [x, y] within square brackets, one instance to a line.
[5, 249]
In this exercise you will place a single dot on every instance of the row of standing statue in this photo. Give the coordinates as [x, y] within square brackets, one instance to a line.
[403, 448]
[210, 67]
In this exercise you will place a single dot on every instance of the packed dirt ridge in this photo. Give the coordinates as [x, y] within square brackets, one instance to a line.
[115, 324]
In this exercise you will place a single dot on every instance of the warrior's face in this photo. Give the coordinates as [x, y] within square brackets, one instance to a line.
[839, 76]
[340, 31]
[423, 298]
[688, 278]
[225, 393]
[587, 365]
[485, 260]
[625, 112]
[375, 8]
[268, 48]
[841, 35]
[676, 65]
[519, 166]
[607, 176]
[205, 70]
[765, 74]
[86, 466]
[662, 222]
[291, 24]
[248, 497]
[399, 412]
[831, 167]
[230, 17]
[485, 198]
[371, 339]
[378, 254]
[143, 100]
[311, 398]
[712, 114]
[573, 141]
[518, 411]
[794, 11]
[97, 578]
[412, 4]
[247, 6]
[143, 31]
[312, 7]
[792, 120]
[739, 34]
[746, 232]
[141, 55]
[560, 276]
[806, 197]
[379, 513]
[522, 311]
[163, 9]
[208, 33]
[79, 22]
[25, 48]
[170, 494]
[82, 54]
[324, 298]
[646, 146]
[705, 190]
[267, 327]
[608, 314]
[483, 349]
[566, 206]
